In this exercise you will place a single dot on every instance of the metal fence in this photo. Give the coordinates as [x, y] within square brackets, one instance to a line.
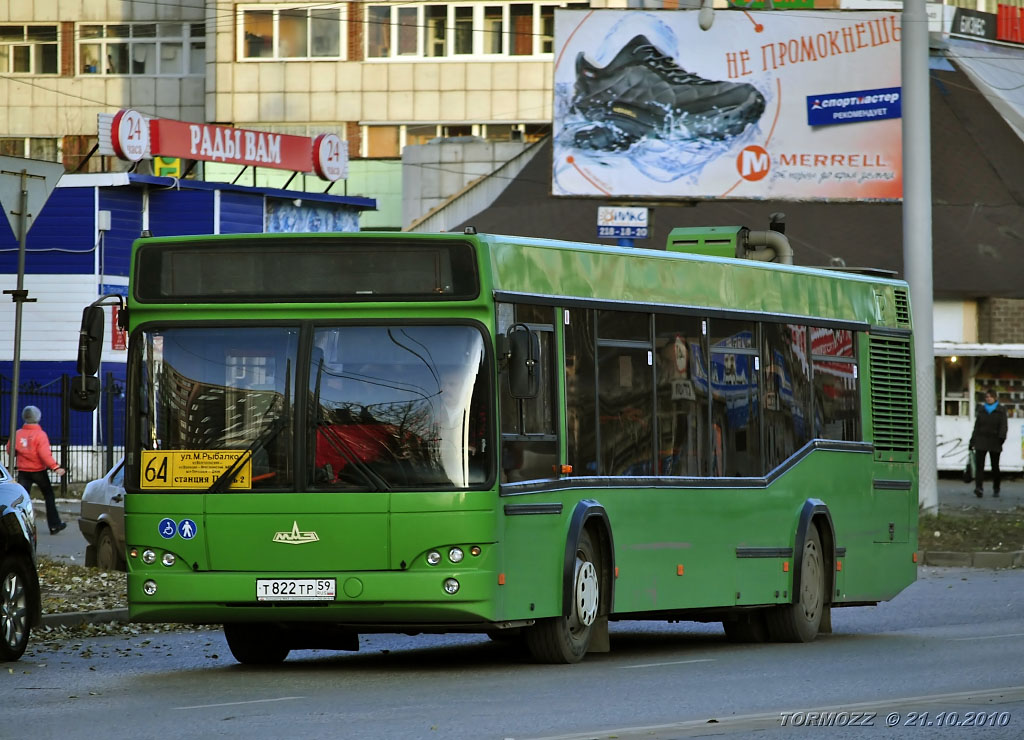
[85, 444]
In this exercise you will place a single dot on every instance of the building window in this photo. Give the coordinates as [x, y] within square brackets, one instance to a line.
[297, 32]
[378, 31]
[151, 49]
[34, 148]
[460, 30]
[408, 31]
[493, 23]
[28, 50]
[382, 141]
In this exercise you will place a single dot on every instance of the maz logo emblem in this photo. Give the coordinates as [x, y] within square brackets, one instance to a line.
[295, 537]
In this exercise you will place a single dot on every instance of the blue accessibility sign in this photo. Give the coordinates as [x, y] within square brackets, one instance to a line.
[187, 529]
[167, 528]
[854, 107]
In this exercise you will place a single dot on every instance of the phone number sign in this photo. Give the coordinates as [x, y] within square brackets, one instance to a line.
[192, 468]
[622, 221]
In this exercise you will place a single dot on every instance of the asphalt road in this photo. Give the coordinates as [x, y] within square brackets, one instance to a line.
[952, 642]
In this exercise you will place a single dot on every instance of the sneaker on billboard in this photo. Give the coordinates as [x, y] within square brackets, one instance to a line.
[643, 92]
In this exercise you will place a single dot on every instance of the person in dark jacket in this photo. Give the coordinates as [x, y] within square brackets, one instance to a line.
[989, 435]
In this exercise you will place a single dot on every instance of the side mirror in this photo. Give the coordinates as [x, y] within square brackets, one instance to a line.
[90, 340]
[85, 393]
[524, 353]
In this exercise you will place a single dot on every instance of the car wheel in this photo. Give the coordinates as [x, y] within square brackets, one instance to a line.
[107, 555]
[14, 614]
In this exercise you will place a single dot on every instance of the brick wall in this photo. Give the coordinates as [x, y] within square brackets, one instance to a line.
[1001, 320]
[354, 135]
[67, 49]
[356, 16]
[355, 31]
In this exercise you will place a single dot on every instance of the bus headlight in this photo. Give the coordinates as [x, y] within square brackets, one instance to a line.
[456, 555]
[149, 587]
[168, 559]
[451, 586]
[148, 557]
[433, 557]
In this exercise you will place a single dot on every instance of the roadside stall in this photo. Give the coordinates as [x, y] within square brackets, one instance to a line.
[963, 371]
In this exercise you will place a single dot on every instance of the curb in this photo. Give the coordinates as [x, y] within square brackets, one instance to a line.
[75, 619]
[985, 560]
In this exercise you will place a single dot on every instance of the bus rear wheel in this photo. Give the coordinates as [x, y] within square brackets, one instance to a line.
[255, 644]
[799, 622]
[565, 639]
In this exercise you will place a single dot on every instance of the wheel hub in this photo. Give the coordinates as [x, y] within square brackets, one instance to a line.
[12, 610]
[809, 593]
[586, 593]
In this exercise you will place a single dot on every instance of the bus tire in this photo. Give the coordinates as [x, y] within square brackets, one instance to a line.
[565, 639]
[749, 627]
[799, 621]
[254, 644]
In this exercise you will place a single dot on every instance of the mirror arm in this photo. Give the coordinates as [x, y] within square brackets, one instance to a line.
[102, 301]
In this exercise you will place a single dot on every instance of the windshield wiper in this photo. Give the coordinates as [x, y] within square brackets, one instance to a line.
[262, 440]
[339, 445]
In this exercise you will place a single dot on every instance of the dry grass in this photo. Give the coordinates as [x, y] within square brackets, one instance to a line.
[972, 531]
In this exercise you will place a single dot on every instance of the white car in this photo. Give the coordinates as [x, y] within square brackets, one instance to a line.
[102, 520]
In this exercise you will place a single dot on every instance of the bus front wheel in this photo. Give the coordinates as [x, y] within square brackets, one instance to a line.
[799, 621]
[749, 627]
[254, 644]
[565, 639]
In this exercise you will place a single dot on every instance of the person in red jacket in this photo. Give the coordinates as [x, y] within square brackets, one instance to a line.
[35, 461]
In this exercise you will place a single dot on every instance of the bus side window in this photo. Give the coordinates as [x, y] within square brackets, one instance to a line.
[786, 400]
[836, 397]
[529, 442]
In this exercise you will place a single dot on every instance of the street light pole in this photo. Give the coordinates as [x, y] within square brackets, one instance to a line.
[917, 236]
[19, 296]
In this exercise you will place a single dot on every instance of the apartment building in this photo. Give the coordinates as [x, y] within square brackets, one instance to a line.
[382, 76]
[391, 75]
[64, 61]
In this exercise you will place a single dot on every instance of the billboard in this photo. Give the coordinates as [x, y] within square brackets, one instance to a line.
[794, 105]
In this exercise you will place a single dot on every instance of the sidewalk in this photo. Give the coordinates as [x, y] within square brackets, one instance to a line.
[955, 496]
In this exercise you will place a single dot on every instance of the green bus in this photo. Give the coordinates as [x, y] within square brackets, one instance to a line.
[331, 435]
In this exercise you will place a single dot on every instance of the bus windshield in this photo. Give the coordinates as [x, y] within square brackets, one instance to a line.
[385, 407]
[401, 406]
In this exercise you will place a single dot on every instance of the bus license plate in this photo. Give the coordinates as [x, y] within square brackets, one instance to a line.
[295, 589]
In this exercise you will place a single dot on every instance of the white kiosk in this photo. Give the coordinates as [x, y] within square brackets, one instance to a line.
[963, 371]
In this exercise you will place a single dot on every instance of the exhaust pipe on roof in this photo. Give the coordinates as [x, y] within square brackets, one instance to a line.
[767, 246]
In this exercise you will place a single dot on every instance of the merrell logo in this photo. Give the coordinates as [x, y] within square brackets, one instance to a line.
[295, 537]
[753, 162]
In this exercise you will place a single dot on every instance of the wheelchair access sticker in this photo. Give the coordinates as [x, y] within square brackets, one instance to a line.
[186, 529]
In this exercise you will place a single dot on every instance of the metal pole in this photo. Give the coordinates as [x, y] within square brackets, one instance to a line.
[65, 432]
[917, 236]
[19, 295]
[109, 434]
